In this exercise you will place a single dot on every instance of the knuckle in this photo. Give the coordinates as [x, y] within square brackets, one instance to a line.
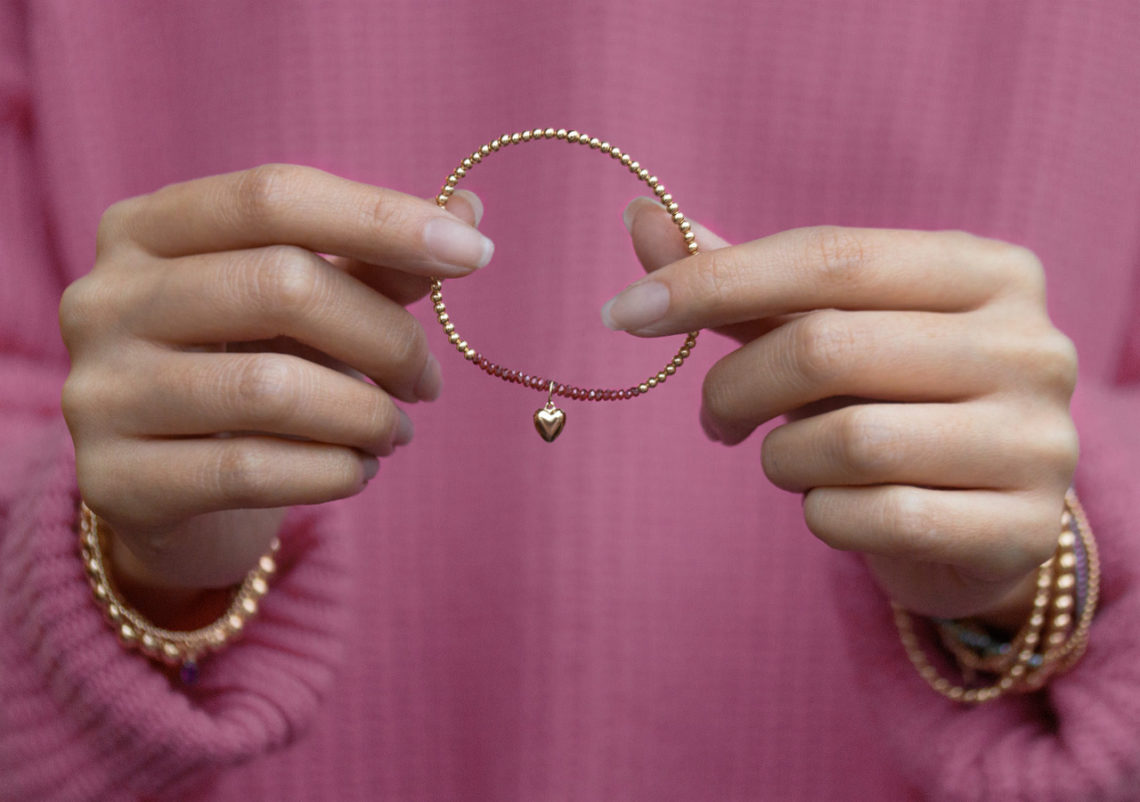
[385, 212]
[865, 443]
[839, 254]
[719, 397]
[1057, 360]
[823, 346]
[714, 277]
[75, 311]
[381, 419]
[288, 281]
[406, 346]
[265, 387]
[1023, 269]
[113, 225]
[262, 190]
[241, 475]
[909, 523]
[1058, 446]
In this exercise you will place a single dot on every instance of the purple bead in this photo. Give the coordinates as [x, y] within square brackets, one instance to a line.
[188, 673]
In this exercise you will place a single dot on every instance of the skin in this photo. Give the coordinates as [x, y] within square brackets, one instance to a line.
[924, 393]
[223, 371]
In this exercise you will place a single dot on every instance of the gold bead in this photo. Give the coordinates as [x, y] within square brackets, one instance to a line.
[259, 586]
[128, 634]
[662, 376]
[469, 354]
[1036, 620]
[643, 174]
[449, 327]
[1057, 638]
[249, 605]
[595, 143]
[606, 147]
[148, 643]
[672, 207]
[683, 353]
[678, 218]
[659, 190]
[1066, 540]
[652, 382]
[685, 225]
[494, 145]
[572, 136]
[235, 623]
[461, 171]
[1067, 561]
[100, 591]
[537, 133]
[485, 150]
[652, 181]
[527, 135]
[436, 296]
[114, 612]
[467, 163]
[267, 564]
[444, 317]
[970, 696]
[1005, 683]
[549, 133]
[1062, 621]
[616, 153]
[441, 199]
[453, 179]
[448, 189]
[678, 361]
[643, 388]
[516, 138]
[440, 307]
[1066, 581]
[626, 159]
[670, 369]
[689, 236]
[170, 651]
[692, 247]
[1064, 602]
[561, 133]
[453, 337]
[1017, 671]
[666, 198]
[477, 156]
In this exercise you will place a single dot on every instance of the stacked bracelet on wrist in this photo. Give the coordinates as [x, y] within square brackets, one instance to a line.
[1052, 640]
[175, 648]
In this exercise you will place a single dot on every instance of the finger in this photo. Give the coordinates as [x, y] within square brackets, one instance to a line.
[302, 206]
[969, 446]
[991, 535]
[402, 287]
[282, 290]
[187, 394]
[821, 268]
[166, 481]
[886, 356]
[657, 243]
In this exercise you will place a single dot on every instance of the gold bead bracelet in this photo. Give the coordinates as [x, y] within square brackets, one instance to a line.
[172, 647]
[549, 420]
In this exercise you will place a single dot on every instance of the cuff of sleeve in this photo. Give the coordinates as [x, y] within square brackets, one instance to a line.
[84, 717]
[1080, 737]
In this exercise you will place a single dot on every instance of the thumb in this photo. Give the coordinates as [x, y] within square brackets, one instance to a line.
[656, 240]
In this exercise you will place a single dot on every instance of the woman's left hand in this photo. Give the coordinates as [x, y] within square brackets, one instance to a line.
[925, 388]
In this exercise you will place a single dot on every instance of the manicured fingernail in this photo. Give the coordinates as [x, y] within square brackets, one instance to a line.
[457, 244]
[474, 201]
[430, 382]
[404, 430]
[371, 467]
[637, 306]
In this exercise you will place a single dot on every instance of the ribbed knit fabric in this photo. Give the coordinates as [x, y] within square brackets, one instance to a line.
[633, 612]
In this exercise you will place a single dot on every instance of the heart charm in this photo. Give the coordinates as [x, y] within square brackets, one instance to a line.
[549, 421]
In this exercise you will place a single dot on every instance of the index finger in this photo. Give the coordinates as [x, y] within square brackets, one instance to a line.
[282, 204]
[824, 267]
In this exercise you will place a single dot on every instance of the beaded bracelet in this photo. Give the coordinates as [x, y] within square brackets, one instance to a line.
[549, 420]
[1053, 639]
[171, 647]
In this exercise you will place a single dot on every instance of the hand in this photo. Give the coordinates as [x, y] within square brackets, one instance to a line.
[218, 360]
[925, 388]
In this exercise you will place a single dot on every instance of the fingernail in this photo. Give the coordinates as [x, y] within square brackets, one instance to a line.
[371, 467]
[430, 381]
[457, 244]
[405, 430]
[707, 425]
[636, 306]
[476, 203]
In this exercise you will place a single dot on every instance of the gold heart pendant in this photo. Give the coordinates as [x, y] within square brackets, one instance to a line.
[549, 421]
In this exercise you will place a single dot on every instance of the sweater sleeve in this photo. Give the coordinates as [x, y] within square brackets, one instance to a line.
[1080, 737]
[80, 717]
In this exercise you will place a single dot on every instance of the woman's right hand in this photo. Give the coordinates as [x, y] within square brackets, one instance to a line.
[218, 359]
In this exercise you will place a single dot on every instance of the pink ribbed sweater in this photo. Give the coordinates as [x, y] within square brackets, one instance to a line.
[632, 613]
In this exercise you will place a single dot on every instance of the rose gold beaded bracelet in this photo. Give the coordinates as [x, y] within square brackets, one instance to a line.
[174, 648]
[549, 420]
[1054, 637]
